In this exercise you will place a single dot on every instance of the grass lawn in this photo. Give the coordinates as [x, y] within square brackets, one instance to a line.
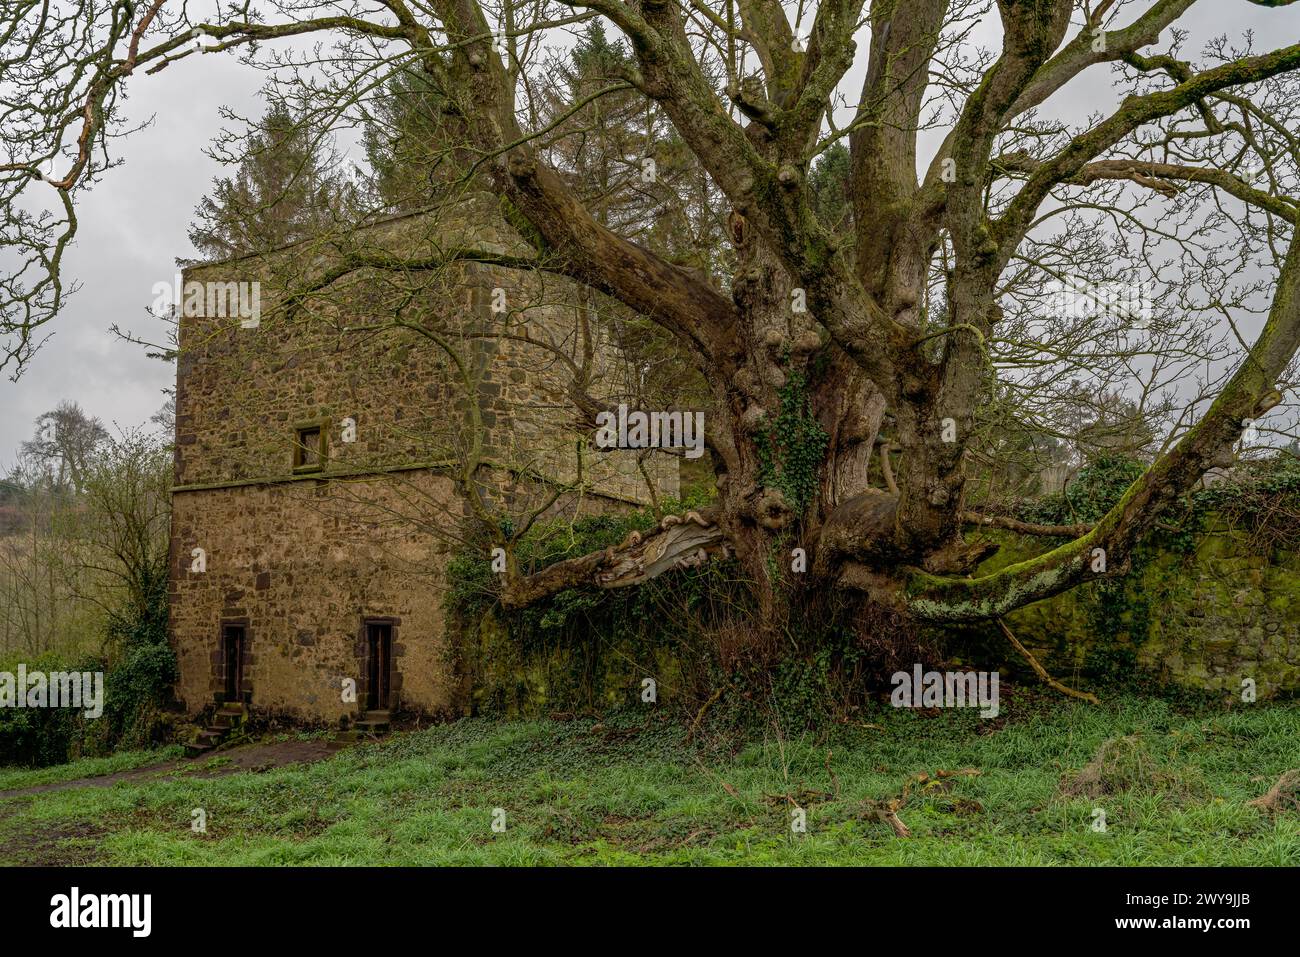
[87, 767]
[1173, 787]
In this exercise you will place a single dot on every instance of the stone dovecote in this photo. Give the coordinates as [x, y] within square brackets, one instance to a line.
[317, 449]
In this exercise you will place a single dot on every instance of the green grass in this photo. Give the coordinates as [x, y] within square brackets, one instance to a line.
[11, 778]
[632, 790]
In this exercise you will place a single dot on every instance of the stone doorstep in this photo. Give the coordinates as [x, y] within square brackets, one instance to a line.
[371, 724]
[228, 716]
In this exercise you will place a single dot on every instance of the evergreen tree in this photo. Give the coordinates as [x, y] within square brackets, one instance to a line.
[622, 156]
[285, 189]
[411, 143]
[829, 180]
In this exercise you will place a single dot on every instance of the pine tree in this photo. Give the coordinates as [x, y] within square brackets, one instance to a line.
[286, 188]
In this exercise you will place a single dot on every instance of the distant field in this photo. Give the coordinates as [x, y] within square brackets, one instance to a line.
[1173, 788]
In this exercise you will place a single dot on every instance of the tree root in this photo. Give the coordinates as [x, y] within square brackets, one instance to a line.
[1041, 671]
[1282, 796]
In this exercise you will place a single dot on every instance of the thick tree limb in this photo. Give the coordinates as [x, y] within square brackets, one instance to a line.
[678, 299]
[930, 504]
[1249, 394]
[680, 541]
[883, 141]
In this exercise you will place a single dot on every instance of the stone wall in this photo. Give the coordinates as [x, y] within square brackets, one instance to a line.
[302, 568]
[303, 556]
[242, 391]
[1201, 620]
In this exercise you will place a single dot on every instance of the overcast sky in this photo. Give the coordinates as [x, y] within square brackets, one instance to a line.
[133, 226]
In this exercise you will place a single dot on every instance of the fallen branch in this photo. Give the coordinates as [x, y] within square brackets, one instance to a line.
[1024, 528]
[835, 782]
[887, 811]
[1042, 672]
[699, 715]
[725, 786]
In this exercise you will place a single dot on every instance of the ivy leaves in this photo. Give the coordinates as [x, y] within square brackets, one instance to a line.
[1096, 489]
[792, 446]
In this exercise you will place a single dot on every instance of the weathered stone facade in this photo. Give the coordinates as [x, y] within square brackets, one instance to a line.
[1205, 619]
[303, 536]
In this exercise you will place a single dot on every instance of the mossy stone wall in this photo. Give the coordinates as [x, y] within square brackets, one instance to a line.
[1200, 614]
[1202, 619]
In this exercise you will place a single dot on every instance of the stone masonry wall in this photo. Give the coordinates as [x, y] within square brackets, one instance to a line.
[302, 558]
[242, 391]
[302, 576]
[1204, 620]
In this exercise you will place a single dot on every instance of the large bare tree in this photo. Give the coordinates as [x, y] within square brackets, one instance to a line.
[891, 345]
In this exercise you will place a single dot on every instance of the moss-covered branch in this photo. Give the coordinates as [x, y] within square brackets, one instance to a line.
[1106, 549]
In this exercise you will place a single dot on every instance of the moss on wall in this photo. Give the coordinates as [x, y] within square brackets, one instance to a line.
[585, 650]
[1202, 617]
[1209, 601]
[580, 670]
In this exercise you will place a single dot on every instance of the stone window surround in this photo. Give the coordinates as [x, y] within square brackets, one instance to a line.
[322, 453]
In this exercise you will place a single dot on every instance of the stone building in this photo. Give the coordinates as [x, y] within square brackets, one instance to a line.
[317, 449]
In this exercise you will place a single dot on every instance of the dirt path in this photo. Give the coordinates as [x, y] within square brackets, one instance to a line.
[247, 757]
[66, 844]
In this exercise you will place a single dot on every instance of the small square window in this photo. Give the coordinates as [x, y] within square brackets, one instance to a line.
[309, 449]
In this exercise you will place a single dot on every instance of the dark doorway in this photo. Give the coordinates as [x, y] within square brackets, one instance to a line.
[232, 640]
[379, 657]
